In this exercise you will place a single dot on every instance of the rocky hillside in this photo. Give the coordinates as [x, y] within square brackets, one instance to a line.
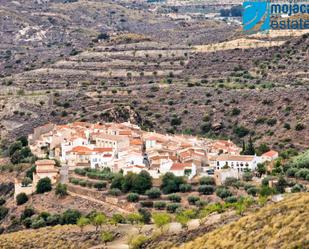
[281, 225]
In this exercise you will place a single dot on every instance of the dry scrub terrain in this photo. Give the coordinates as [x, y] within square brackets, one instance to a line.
[282, 225]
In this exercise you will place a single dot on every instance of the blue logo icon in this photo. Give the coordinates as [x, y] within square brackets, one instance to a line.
[256, 16]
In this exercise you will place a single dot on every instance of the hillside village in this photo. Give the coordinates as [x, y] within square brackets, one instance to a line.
[125, 147]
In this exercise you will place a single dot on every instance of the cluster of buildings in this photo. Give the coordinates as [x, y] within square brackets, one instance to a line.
[125, 147]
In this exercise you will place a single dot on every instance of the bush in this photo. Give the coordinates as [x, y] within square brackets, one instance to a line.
[114, 192]
[206, 189]
[297, 188]
[207, 180]
[201, 203]
[2, 201]
[21, 198]
[100, 185]
[302, 173]
[27, 213]
[38, 223]
[253, 191]
[230, 181]
[145, 214]
[61, 190]
[44, 185]
[107, 237]
[291, 172]
[81, 172]
[247, 176]
[27, 222]
[223, 193]
[136, 242]
[53, 220]
[174, 198]
[74, 181]
[70, 216]
[160, 205]
[148, 204]
[153, 193]
[133, 197]
[265, 181]
[171, 183]
[26, 181]
[231, 199]
[193, 199]
[3, 212]
[185, 188]
[171, 208]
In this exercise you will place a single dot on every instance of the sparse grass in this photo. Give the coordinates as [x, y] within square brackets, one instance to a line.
[281, 225]
[60, 237]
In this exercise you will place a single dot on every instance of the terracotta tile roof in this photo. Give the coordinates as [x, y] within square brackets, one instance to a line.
[270, 153]
[81, 149]
[180, 166]
[101, 150]
[45, 162]
[125, 132]
[241, 158]
[136, 142]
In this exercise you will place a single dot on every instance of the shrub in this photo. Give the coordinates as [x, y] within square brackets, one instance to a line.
[302, 173]
[44, 185]
[61, 190]
[74, 181]
[118, 219]
[201, 203]
[207, 180]
[253, 191]
[230, 181]
[265, 180]
[70, 216]
[38, 223]
[136, 242]
[185, 188]
[160, 205]
[114, 192]
[21, 198]
[107, 237]
[148, 204]
[53, 220]
[2, 201]
[206, 189]
[171, 183]
[297, 188]
[145, 215]
[3, 212]
[27, 213]
[174, 198]
[299, 127]
[133, 197]
[223, 193]
[247, 176]
[153, 193]
[231, 199]
[27, 222]
[100, 185]
[171, 208]
[81, 172]
[291, 172]
[193, 199]
[26, 181]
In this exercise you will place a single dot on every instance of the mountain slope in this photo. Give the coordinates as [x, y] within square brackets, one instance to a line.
[281, 225]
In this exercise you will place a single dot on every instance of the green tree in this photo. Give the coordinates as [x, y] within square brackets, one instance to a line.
[44, 185]
[261, 169]
[99, 220]
[137, 220]
[82, 222]
[250, 150]
[21, 198]
[171, 183]
[161, 220]
[61, 190]
[70, 216]
[107, 237]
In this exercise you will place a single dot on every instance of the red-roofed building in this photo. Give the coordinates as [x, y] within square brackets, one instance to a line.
[270, 156]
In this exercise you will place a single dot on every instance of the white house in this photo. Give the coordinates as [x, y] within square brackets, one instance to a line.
[240, 162]
[270, 156]
[184, 169]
